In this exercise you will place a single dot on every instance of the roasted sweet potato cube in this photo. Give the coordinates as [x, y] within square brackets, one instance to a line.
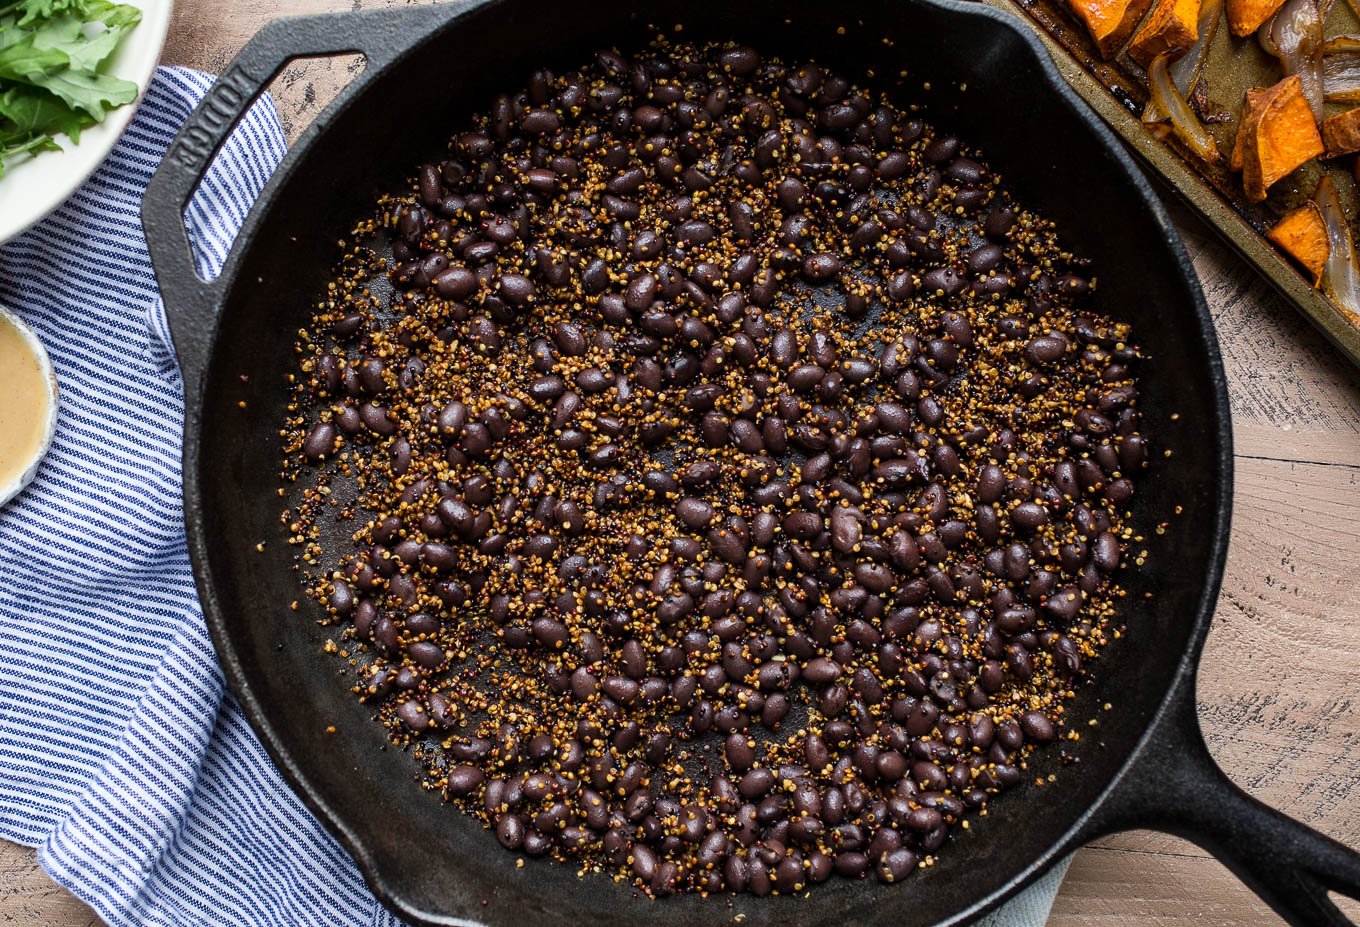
[1278, 134]
[1110, 22]
[1302, 235]
[1172, 25]
[1252, 105]
[1246, 16]
[1341, 133]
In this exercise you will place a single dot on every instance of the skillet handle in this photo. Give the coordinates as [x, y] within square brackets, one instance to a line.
[191, 303]
[1176, 787]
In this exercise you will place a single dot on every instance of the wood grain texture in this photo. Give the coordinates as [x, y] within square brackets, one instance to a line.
[1279, 684]
[28, 898]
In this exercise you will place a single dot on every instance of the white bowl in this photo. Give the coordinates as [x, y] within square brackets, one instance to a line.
[33, 187]
[15, 486]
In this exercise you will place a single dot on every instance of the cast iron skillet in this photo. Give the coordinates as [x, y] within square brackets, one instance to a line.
[1145, 765]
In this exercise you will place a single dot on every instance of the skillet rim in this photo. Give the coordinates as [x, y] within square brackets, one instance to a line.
[447, 16]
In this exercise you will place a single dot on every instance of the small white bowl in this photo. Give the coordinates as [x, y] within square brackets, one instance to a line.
[11, 489]
[33, 187]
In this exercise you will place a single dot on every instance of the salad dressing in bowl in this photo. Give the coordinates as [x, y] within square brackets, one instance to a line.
[28, 414]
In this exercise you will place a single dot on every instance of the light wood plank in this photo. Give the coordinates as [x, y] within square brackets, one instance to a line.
[28, 898]
[1114, 888]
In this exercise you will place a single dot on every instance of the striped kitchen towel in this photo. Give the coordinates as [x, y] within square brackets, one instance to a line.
[122, 757]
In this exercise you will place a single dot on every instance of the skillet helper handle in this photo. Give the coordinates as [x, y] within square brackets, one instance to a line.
[191, 303]
[1176, 787]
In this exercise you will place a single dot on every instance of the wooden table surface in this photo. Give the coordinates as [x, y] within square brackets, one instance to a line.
[1279, 684]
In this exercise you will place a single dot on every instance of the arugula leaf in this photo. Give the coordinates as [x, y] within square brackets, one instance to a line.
[118, 22]
[86, 43]
[93, 93]
[9, 33]
[78, 83]
[51, 83]
[34, 10]
[37, 112]
[26, 63]
[33, 145]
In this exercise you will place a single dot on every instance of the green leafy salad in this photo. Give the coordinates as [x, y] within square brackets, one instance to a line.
[51, 82]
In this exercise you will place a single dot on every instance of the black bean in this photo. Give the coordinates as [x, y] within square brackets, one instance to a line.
[893, 418]
[342, 597]
[821, 267]
[431, 185]
[1045, 349]
[377, 419]
[510, 831]
[740, 752]
[802, 525]
[621, 689]
[413, 715]
[540, 122]
[1037, 726]
[1106, 552]
[1029, 515]
[321, 441]
[641, 292]
[899, 471]
[546, 388]
[998, 223]
[569, 338]
[484, 333]
[755, 783]
[875, 577]
[851, 864]
[896, 864]
[1064, 603]
[593, 380]
[901, 286]
[984, 258]
[965, 171]
[741, 60]
[456, 282]
[516, 289]
[991, 483]
[942, 280]
[464, 779]
[845, 530]
[426, 654]
[805, 376]
[942, 149]
[371, 373]
[476, 439]
[821, 670]
[440, 556]
[694, 512]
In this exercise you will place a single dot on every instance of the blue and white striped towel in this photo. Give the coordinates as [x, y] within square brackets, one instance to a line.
[122, 756]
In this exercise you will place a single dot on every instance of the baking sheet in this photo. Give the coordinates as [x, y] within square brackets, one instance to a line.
[1117, 90]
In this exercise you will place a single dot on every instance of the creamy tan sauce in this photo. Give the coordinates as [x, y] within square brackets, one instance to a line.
[28, 402]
